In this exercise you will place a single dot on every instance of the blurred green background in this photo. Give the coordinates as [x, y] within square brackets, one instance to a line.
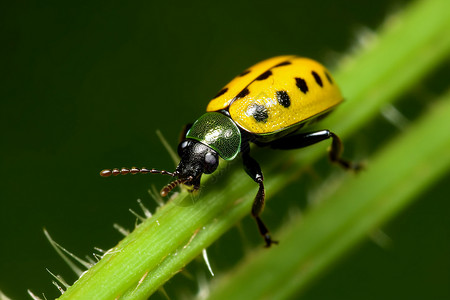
[84, 87]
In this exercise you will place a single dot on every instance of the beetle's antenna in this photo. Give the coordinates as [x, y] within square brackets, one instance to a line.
[133, 170]
[166, 190]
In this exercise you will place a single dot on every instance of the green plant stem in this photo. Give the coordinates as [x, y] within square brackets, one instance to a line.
[347, 215]
[163, 244]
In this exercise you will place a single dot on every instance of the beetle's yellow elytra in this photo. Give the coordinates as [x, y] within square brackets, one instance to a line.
[278, 93]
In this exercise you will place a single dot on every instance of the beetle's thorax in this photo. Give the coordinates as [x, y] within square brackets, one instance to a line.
[218, 132]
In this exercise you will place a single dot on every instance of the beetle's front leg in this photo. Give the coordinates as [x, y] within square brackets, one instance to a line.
[253, 169]
[184, 131]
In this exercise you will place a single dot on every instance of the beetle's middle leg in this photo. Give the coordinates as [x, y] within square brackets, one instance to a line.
[253, 169]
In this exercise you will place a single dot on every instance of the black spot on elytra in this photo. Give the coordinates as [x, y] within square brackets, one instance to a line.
[243, 93]
[283, 98]
[284, 63]
[244, 73]
[259, 112]
[328, 77]
[221, 92]
[317, 78]
[301, 84]
[264, 75]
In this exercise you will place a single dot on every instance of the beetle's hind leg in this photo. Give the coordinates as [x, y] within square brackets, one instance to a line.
[335, 154]
[253, 169]
[309, 138]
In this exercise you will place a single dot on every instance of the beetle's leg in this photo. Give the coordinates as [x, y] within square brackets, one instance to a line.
[306, 139]
[184, 131]
[253, 169]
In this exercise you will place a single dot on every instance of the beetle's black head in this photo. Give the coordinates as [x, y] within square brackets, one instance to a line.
[212, 135]
[196, 159]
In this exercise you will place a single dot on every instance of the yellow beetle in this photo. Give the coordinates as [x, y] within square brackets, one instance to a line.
[266, 104]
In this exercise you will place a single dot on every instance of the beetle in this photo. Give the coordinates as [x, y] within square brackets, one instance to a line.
[268, 104]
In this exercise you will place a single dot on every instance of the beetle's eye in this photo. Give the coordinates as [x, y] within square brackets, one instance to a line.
[182, 146]
[211, 163]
